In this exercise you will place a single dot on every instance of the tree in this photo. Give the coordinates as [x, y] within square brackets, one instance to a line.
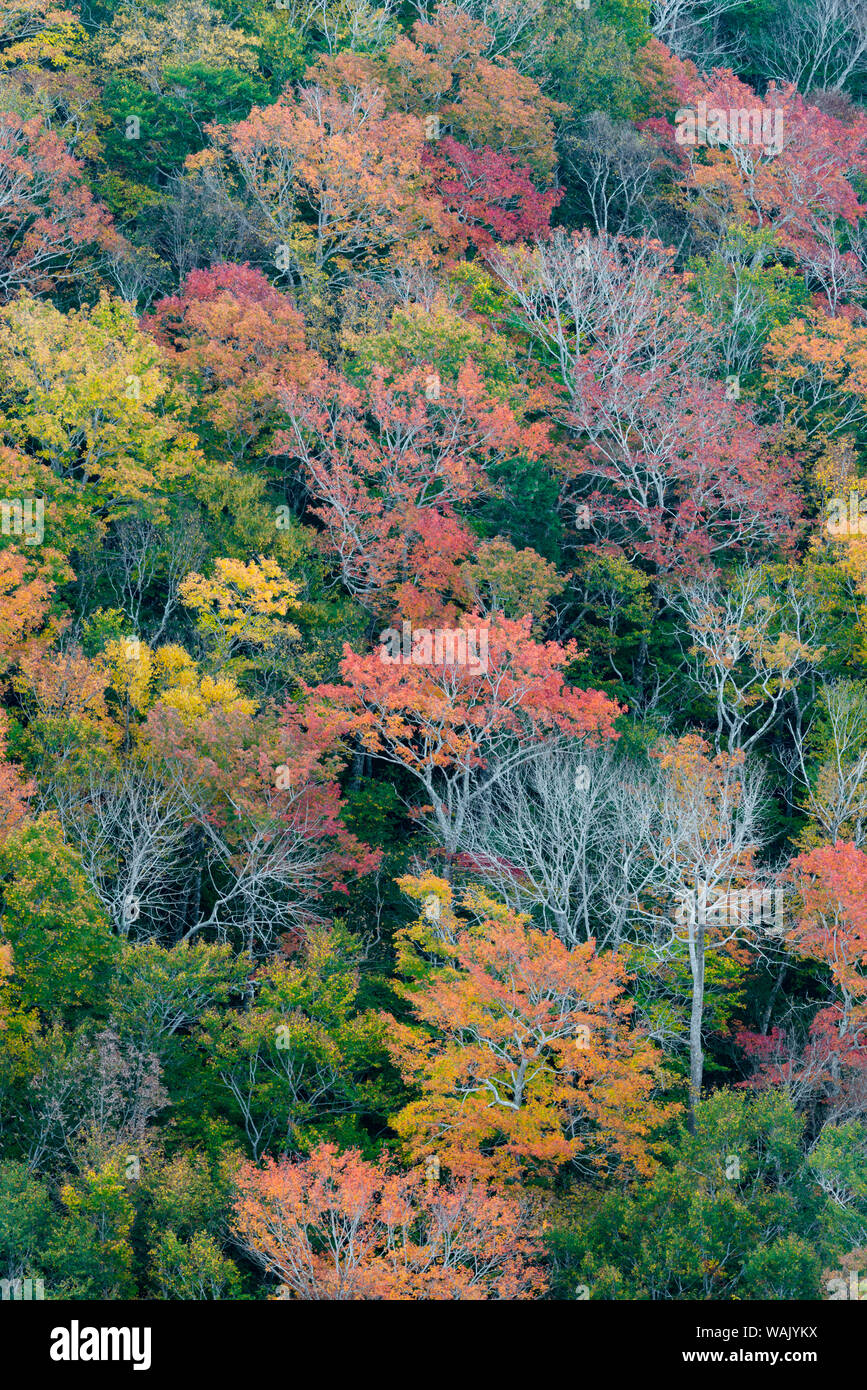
[264, 798]
[615, 165]
[490, 193]
[479, 101]
[234, 338]
[834, 778]
[833, 927]
[24, 19]
[301, 1063]
[672, 469]
[501, 579]
[130, 819]
[746, 293]
[159, 992]
[91, 1253]
[709, 831]
[792, 166]
[23, 609]
[819, 44]
[447, 719]
[335, 1227]
[25, 1214]
[48, 217]
[336, 185]
[567, 836]
[752, 642]
[89, 396]
[731, 1214]
[526, 1058]
[147, 42]
[815, 375]
[194, 1269]
[14, 790]
[63, 951]
[243, 605]
[826, 1070]
[691, 29]
[390, 465]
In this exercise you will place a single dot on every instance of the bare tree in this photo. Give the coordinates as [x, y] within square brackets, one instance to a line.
[573, 286]
[815, 43]
[263, 864]
[614, 163]
[708, 832]
[600, 846]
[836, 794]
[197, 224]
[138, 273]
[692, 29]
[564, 836]
[131, 824]
[746, 648]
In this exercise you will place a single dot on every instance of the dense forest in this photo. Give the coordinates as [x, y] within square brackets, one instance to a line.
[433, 649]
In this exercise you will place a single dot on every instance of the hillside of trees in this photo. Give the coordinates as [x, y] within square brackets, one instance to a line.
[433, 649]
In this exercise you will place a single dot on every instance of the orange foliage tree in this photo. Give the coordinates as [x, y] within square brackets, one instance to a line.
[334, 185]
[527, 1057]
[336, 1227]
[23, 608]
[833, 925]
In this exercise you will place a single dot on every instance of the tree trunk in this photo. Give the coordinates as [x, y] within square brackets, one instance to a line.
[696, 1056]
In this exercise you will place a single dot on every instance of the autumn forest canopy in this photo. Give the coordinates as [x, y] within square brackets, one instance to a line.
[433, 649]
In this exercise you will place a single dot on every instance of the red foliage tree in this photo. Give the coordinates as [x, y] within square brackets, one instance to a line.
[798, 181]
[444, 720]
[47, 214]
[672, 469]
[389, 465]
[829, 1072]
[235, 338]
[490, 193]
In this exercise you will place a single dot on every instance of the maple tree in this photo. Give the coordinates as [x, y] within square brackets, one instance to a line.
[336, 184]
[488, 190]
[814, 373]
[793, 163]
[480, 100]
[828, 1068]
[672, 468]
